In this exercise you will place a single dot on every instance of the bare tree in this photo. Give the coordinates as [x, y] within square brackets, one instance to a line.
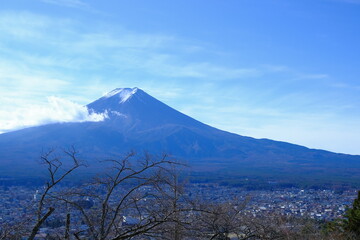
[219, 220]
[174, 200]
[56, 173]
[14, 231]
[128, 200]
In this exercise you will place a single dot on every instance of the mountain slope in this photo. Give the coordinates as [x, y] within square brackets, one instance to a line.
[137, 121]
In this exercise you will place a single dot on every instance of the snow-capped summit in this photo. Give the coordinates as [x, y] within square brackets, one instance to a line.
[133, 106]
[123, 93]
[116, 99]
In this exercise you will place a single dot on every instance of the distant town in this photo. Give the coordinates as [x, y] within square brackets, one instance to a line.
[19, 202]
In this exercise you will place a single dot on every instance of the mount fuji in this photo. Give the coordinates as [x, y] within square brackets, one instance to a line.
[137, 121]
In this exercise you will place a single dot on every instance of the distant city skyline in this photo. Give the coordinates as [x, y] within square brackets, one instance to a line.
[278, 69]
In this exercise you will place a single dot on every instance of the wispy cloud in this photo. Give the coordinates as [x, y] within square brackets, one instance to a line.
[275, 68]
[314, 76]
[320, 130]
[165, 66]
[64, 47]
[314, 131]
[31, 28]
[56, 110]
[68, 3]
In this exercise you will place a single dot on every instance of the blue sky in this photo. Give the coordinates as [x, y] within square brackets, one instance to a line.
[278, 69]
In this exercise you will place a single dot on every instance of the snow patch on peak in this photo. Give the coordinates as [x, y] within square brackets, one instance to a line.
[119, 114]
[126, 93]
[123, 93]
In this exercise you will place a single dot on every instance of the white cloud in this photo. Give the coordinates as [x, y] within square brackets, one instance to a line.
[170, 66]
[318, 130]
[276, 68]
[29, 27]
[57, 110]
[314, 76]
[96, 49]
[311, 131]
[68, 3]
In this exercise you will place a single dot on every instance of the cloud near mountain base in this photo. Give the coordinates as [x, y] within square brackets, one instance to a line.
[57, 110]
